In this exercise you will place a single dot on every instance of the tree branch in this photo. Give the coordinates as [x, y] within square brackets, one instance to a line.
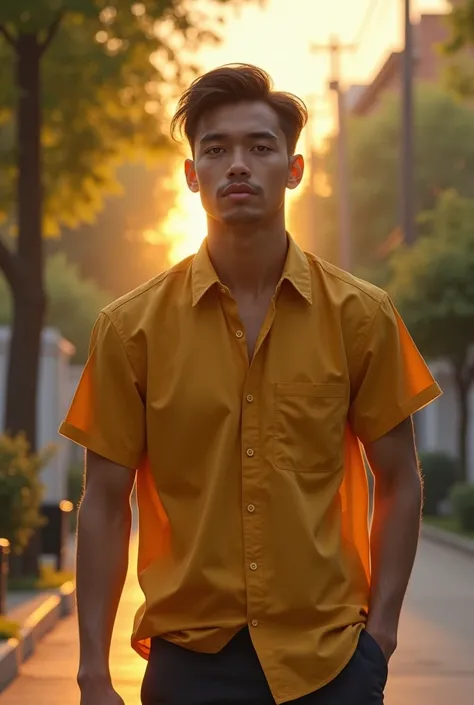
[9, 265]
[9, 37]
[53, 28]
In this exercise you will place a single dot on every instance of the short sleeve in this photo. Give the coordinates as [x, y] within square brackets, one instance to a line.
[393, 380]
[107, 413]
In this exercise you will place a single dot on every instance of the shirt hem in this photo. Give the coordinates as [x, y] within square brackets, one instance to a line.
[290, 697]
[404, 411]
[98, 446]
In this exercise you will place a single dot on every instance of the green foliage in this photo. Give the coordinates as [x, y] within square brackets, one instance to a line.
[439, 473]
[432, 284]
[49, 579]
[21, 491]
[9, 629]
[444, 160]
[73, 303]
[107, 79]
[462, 497]
[459, 74]
[433, 281]
[461, 21]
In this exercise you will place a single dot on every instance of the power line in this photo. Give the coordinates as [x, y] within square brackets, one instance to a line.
[372, 7]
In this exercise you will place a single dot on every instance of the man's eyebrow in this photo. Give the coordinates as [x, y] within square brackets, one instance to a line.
[220, 136]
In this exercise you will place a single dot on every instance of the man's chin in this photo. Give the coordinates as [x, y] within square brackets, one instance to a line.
[241, 216]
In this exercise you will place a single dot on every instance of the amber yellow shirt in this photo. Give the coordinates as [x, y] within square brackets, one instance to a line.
[252, 487]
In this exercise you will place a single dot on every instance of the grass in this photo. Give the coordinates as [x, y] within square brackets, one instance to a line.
[448, 524]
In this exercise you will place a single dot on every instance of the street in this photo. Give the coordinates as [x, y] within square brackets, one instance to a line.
[434, 663]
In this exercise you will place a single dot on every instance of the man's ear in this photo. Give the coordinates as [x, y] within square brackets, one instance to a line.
[296, 171]
[191, 176]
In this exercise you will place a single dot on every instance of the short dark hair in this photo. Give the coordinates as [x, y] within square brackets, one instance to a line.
[235, 83]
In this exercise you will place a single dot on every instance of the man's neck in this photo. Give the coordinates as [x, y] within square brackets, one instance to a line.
[249, 263]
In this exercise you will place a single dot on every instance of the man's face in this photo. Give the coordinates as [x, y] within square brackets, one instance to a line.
[242, 166]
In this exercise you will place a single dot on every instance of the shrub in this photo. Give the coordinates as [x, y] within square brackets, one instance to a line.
[9, 629]
[49, 579]
[439, 475]
[462, 497]
[21, 491]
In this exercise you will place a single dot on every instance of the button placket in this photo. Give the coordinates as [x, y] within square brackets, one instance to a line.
[252, 517]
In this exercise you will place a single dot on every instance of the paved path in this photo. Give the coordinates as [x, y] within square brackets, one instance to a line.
[434, 664]
[49, 677]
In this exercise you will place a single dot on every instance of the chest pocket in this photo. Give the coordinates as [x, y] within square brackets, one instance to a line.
[309, 425]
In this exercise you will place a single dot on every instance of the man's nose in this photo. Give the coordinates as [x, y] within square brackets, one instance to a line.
[238, 167]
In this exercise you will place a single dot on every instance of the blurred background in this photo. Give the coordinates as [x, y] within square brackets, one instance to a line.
[93, 202]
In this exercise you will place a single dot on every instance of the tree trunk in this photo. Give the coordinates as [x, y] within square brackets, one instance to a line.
[28, 294]
[28, 290]
[463, 387]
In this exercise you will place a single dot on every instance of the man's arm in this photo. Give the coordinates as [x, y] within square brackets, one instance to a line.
[395, 529]
[103, 538]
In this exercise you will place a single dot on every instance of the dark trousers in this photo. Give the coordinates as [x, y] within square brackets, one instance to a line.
[177, 676]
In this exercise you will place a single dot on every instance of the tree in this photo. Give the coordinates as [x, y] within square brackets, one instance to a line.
[73, 303]
[88, 84]
[458, 48]
[433, 285]
[444, 159]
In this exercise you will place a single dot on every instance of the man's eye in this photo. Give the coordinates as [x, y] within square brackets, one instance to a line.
[262, 148]
[214, 150]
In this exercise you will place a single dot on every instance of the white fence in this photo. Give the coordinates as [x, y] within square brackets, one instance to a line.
[53, 400]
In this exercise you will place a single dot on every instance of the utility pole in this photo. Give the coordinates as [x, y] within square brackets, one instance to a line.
[312, 161]
[407, 186]
[335, 49]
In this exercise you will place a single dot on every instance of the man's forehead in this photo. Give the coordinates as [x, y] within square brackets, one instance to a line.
[240, 119]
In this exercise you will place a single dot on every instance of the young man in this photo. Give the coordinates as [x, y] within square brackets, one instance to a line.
[238, 389]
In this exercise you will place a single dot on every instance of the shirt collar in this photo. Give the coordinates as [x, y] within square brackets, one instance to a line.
[296, 271]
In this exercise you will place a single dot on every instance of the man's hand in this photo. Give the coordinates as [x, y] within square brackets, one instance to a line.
[386, 639]
[100, 695]
[395, 530]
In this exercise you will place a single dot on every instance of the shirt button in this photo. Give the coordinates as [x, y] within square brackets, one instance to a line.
[254, 622]
[239, 334]
[249, 398]
[250, 452]
[253, 566]
[251, 508]
[223, 291]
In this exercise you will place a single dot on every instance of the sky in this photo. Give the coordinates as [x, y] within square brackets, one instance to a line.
[277, 36]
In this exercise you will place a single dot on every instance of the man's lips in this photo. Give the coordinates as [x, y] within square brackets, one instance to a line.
[239, 191]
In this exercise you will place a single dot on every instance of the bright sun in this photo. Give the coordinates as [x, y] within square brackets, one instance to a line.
[185, 227]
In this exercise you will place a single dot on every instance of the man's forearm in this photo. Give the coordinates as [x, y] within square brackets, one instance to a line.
[394, 540]
[102, 562]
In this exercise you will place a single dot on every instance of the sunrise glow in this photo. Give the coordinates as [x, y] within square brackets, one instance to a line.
[295, 69]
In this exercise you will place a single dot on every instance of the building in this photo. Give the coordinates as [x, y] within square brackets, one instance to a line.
[430, 63]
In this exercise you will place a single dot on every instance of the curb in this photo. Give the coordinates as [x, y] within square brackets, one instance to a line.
[14, 652]
[446, 538]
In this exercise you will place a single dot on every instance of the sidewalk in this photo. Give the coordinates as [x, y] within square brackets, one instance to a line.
[49, 677]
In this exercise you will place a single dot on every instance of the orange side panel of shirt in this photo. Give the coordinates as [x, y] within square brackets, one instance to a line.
[252, 486]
